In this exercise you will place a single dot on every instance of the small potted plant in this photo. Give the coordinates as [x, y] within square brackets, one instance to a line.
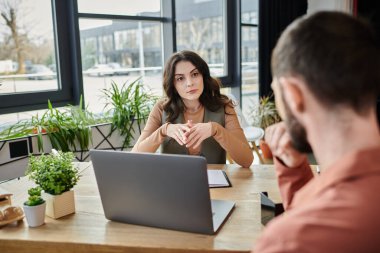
[35, 207]
[264, 115]
[56, 174]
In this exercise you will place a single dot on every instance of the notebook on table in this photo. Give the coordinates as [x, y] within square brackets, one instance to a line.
[218, 179]
[159, 190]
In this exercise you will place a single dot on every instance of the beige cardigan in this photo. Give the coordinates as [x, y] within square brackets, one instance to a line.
[231, 137]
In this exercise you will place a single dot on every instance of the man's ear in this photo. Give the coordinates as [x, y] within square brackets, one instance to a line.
[293, 95]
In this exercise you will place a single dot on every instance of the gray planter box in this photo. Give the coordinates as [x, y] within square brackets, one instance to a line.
[14, 154]
[102, 138]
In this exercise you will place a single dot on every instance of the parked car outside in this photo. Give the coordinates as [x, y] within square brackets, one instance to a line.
[117, 69]
[53, 67]
[100, 70]
[40, 72]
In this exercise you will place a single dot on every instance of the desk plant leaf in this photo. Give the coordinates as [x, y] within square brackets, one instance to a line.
[35, 198]
[54, 173]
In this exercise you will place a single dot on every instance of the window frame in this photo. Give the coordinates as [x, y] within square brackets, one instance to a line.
[68, 53]
[68, 77]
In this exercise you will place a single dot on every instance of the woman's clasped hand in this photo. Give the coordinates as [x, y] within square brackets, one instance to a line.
[189, 134]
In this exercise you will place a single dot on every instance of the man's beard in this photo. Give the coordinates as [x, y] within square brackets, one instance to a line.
[297, 132]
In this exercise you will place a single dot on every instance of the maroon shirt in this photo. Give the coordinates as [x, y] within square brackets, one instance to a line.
[338, 211]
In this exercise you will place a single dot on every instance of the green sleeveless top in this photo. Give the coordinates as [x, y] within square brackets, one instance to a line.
[210, 149]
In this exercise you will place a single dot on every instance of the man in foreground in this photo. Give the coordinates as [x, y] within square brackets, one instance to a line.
[326, 70]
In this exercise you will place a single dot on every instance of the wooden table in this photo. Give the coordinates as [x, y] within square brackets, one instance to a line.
[88, 231]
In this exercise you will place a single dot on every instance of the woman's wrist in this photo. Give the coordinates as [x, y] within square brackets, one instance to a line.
[164, 128]
[213, 126]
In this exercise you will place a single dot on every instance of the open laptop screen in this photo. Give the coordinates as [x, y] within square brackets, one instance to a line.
[167, 191]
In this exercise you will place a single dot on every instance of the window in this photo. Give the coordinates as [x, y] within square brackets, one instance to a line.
[31, 73]
[119, 48]
[201, 28]
[249, 55]
[150, 8]
[27, 54]
[88, 43]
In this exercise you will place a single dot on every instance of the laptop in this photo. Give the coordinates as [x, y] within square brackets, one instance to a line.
[159, 190]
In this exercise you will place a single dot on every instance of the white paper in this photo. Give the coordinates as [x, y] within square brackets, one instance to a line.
[217, 178]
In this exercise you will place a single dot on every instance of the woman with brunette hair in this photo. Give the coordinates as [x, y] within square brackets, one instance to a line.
[194, 118]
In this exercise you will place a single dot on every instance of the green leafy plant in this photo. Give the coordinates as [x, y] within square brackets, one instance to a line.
[34, 198]
[265, 114]
[54, 173]
[24, 128]
[127, 104]
[68, 128]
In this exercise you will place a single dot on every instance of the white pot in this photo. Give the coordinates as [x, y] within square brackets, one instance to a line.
[35, 215]
[59, 205]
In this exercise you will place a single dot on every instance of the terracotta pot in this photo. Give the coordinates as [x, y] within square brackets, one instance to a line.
[265, 150]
